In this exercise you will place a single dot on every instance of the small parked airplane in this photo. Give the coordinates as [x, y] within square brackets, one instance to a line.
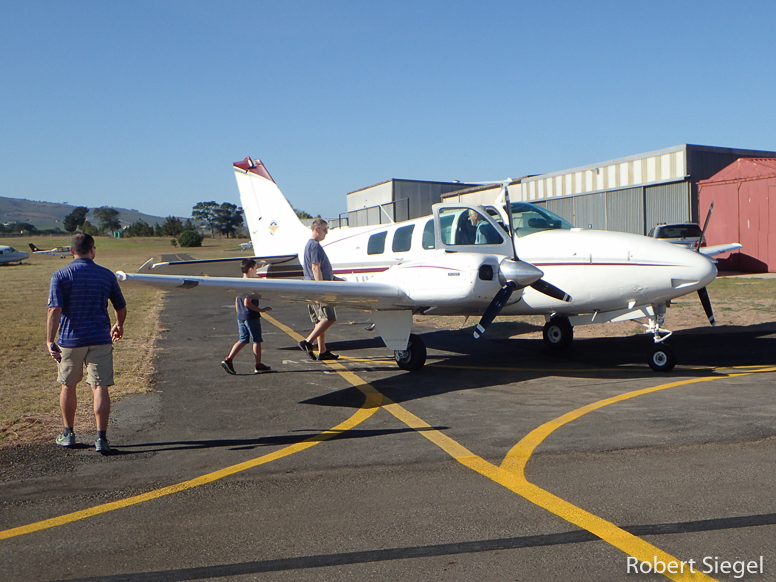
[527, 261]
[63, 252]
[11, 255]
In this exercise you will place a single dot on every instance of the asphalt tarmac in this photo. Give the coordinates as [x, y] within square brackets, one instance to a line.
[498, 461]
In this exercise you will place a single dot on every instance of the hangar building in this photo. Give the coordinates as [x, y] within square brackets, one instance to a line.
[630, 194]
[395, 200]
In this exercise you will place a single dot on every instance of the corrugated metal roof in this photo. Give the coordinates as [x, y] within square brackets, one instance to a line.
[744, 169]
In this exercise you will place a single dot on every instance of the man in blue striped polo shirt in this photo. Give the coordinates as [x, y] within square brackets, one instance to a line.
[78, 308]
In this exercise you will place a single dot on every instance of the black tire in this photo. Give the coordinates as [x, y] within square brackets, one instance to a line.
[414, 356]
[558, 333]
[662, 359]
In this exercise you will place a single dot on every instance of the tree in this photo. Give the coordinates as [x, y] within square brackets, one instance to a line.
[88, 228]
[140, 228]
[190, 238]
[108, 217]
[207, 212]
[172, 226]
[229, 218]
[25, 227]
[75, 219]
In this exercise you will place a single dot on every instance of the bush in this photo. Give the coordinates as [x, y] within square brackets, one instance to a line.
[190, 238]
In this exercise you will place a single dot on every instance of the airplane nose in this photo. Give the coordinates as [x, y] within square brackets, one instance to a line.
[697, 270]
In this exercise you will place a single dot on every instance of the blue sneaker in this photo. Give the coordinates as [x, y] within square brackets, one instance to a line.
[101, 445]
[66, 440]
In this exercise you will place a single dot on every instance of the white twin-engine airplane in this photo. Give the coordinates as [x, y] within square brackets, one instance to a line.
[463, 260]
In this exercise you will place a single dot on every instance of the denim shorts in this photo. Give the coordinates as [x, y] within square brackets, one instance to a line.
[249, 329]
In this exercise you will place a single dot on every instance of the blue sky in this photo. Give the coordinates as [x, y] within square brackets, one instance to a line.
[146, 104]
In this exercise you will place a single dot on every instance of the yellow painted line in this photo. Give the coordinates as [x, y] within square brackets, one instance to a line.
[371, 404]
[511, 474]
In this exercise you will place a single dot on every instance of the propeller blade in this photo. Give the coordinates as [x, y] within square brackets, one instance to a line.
[494, 308]
[706, 302]
[703, 234]
[551, 290]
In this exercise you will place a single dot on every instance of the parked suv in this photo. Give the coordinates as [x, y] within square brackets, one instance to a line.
[687, 234]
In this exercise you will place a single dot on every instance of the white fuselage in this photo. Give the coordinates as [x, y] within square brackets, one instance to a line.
[11, 255]
[602, 271]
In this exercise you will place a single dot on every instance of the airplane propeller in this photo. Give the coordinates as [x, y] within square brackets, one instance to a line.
[515, 274]
[702, 292]
[706, 302]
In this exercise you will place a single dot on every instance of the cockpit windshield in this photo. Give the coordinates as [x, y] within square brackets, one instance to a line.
[528, 219]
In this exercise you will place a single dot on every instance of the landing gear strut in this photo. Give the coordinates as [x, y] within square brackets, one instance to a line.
[414, 356]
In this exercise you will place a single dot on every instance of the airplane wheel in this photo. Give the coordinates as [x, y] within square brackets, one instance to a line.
[558, 333]
[662, 359]
[414, 356]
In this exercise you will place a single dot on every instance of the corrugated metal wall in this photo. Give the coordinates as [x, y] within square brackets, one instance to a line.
[633, 210]
[667, 203]
[625, 210]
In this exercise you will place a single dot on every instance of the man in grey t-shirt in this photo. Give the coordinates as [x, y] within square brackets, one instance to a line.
[317, 267]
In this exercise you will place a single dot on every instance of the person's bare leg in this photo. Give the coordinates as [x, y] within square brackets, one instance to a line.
[257, 353]
[235, 350]
[68, 402]
[319, 333]
[101, 406]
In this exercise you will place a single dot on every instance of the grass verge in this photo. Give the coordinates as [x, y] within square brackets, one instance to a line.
[29, 393]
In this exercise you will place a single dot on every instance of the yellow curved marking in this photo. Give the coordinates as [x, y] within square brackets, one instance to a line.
[511, 473]
[372, 403]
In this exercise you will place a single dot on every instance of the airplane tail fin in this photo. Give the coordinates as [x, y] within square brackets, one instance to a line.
[34, 248]
[274, 226]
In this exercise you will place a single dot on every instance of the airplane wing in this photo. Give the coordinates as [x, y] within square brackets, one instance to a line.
[285, 266]
[719, 249]
[364, 295]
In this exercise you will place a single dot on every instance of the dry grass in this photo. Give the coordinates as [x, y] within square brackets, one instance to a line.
[29, 401]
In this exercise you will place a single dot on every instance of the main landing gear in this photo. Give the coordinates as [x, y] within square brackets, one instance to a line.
[558, 333]
[414, 356]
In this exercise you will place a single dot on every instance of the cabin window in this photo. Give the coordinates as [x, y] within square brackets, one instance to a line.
[402, 239]
[467, 227]
[428, 235]
[528, 219]
[376, 244]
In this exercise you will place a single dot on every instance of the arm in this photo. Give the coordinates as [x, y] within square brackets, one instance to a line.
[253, 307]
[117, 332]
[318, 274]
[52, 326]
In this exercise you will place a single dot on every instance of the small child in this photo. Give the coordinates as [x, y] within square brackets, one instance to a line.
[248, 323]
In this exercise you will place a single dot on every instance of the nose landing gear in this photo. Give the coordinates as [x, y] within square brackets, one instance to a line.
[661, 358]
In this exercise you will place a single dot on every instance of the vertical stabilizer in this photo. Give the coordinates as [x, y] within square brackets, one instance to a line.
[274, 226]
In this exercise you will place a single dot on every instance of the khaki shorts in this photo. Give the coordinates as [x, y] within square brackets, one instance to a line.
[319, 312]
[99, 365]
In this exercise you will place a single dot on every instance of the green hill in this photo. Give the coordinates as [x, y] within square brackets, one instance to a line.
[44, 215]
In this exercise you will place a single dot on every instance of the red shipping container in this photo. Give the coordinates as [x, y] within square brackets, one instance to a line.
[742, 213]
